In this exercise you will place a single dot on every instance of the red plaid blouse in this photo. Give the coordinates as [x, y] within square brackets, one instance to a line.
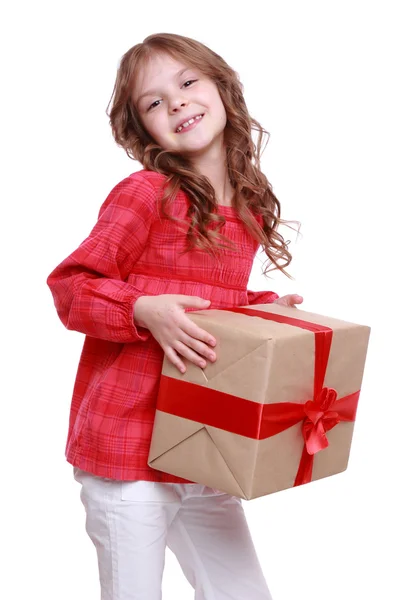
[132, 251]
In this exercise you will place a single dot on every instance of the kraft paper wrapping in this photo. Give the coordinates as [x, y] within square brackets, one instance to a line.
[263, 362]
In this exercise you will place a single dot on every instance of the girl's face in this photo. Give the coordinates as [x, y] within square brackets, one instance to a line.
[168, 93]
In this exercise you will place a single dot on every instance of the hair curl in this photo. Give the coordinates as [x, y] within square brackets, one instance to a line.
[253, 193]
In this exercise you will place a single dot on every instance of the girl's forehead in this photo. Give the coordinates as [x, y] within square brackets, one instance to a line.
[160, 64]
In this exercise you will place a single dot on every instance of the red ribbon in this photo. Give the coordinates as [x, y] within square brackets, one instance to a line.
[260, 421]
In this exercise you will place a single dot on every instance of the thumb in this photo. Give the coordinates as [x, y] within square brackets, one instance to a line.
[289, 300]
[193, 302]
[293, 299]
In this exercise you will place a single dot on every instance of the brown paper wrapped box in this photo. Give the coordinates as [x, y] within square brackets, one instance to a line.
[275, 410]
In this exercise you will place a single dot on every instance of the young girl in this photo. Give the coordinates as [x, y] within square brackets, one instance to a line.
[179, 235]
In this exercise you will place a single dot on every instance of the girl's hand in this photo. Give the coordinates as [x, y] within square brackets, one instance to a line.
[165, 317]
[289, 300]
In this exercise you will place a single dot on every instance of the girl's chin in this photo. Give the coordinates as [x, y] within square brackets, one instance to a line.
[173, 143]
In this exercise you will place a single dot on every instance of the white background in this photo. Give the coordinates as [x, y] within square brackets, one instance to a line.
[322, 78]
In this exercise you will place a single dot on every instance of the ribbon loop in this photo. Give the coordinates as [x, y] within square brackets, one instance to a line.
[326, 397]
[318, 420]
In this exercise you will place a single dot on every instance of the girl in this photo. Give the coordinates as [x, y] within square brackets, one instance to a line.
[181, 234]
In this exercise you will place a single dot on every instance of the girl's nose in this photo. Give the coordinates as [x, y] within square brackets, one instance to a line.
[177, 103]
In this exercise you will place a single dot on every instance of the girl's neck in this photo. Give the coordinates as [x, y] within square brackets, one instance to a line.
[217, 173]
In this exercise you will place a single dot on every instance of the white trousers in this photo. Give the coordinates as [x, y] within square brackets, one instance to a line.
[132, 522]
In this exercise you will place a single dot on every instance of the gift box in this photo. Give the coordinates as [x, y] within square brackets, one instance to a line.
[274, 411]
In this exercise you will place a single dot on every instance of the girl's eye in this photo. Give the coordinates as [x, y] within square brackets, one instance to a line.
[189, 81]
[151, 105]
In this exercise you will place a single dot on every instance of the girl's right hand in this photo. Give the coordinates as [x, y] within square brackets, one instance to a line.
[165, 317]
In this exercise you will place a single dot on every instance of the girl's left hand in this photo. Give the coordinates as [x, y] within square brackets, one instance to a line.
[289, 300]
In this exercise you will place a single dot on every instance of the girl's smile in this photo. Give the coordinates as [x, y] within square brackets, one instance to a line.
[190, 124]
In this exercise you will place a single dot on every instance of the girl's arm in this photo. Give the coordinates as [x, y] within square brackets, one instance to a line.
[88, 287]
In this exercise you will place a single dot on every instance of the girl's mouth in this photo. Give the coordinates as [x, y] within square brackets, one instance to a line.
[192, 124]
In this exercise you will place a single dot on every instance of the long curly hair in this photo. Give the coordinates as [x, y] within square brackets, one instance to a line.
[253, 193]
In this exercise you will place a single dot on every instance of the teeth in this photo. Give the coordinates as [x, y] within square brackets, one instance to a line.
[187, 123]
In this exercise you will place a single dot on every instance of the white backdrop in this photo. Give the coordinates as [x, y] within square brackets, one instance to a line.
[321, 78]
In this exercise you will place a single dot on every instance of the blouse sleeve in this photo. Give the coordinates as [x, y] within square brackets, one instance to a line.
[88, 287]
[261, 297]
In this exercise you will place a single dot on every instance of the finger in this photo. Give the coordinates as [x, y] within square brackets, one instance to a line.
[289, 300]
[197, 346]
[189, 354]
[174, 359]
[294, 299]
[283, 301]
[194, 331]
[192, 302]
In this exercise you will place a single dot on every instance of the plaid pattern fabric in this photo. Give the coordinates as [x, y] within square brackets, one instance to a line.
[133, 251]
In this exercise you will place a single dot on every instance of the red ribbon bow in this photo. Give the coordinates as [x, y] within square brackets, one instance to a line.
[319, 420]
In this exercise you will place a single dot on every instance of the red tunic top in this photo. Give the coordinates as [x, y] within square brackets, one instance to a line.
[132, 251]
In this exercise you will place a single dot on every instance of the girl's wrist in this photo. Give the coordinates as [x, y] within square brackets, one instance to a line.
[139, 311]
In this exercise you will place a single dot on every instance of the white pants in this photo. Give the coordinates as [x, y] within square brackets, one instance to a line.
[132, 522]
